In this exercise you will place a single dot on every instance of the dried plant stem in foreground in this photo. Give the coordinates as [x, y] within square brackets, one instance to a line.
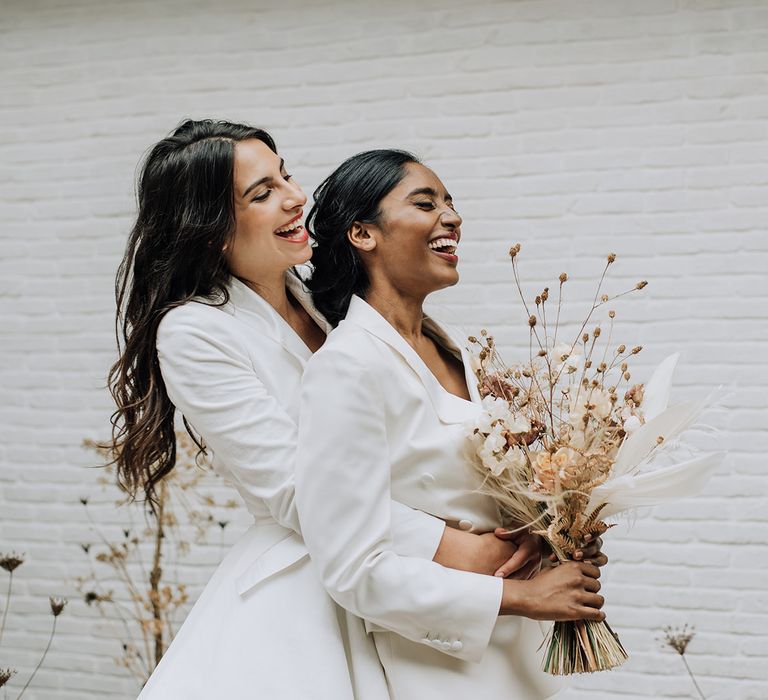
[147, 602]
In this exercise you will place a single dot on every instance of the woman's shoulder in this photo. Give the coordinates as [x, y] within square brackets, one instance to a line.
[347, 345]
[198, 320]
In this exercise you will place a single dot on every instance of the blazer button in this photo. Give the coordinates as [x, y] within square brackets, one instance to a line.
[465, 524]
[456, 646]
[427, 479]
[446, 646]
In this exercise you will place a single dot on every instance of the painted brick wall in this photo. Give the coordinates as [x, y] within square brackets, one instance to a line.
[574, 126]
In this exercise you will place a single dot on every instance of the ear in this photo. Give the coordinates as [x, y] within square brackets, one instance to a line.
[360, 236]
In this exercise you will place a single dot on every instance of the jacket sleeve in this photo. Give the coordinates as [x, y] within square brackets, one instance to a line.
[343, 495]
[210, 378]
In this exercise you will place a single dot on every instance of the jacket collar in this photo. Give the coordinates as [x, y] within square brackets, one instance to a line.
[255, 311]
[450, 408]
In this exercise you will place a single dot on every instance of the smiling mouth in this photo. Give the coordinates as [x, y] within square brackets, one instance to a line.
[292, 231]
[444, 247]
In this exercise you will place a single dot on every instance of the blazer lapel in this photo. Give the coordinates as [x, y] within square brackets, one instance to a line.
[450, 408]
[257, 312]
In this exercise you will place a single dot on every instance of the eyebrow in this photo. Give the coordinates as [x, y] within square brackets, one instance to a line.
[268, 178]
[431, 192]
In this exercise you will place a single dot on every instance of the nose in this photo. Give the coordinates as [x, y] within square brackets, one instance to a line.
[450, 218]
[295, 196]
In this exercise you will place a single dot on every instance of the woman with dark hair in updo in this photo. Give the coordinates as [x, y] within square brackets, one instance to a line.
[216, 328]
[385, 407]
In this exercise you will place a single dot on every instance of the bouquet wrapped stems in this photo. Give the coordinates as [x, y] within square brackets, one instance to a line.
[583, 646]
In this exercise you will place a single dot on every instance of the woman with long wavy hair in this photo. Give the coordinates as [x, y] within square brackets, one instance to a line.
[216, 327]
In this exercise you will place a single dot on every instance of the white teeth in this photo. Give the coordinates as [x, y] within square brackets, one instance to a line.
[288, 228]
[443, 243]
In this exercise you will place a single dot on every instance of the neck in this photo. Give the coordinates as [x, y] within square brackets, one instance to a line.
[272, 289]
[403, 311]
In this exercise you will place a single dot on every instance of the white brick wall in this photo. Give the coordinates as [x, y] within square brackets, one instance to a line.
[574, 126]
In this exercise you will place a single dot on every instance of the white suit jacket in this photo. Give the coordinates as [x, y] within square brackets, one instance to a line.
[234, 371]
[366, 433]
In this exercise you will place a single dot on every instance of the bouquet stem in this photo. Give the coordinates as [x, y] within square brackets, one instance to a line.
[583, 646]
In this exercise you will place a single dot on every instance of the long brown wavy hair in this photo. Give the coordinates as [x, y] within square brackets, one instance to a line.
[186, 216]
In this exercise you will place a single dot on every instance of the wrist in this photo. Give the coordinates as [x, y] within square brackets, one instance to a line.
[515, 598]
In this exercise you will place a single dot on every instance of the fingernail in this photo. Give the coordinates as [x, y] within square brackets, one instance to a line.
[500, 574]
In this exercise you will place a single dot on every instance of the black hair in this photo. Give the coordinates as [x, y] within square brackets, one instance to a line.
[186, 216]
[352, 192]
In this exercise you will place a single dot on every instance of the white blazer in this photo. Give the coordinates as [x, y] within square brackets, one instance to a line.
[376, 424]
[264, 627]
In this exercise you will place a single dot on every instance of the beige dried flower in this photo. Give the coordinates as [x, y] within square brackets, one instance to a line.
[635, 394]
[641, 284]
[604, 298]
[611, 314]
[563, 277]
[637, 349]
[545, 294]
[514, 250]
[596, 332]
[532, 321]
[611, 257]
[620, 350]
[11, 561]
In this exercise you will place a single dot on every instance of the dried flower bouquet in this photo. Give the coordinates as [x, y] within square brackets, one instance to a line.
[566, 440]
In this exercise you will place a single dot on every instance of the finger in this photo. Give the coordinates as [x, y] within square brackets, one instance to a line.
[504, 534]
[599, 560]
[589, 569]
[592, 600]
[578, 555]
[515, 562]
[591, 614]
[525, 572]
[592, 585]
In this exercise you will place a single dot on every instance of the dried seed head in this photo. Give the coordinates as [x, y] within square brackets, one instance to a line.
[637, 349]
[514, 250]
[545, 294]
[641, 284]
[660, 440]
[621, 349]
[57, 605]
[611, 257]
[678, 638]
[585, 337]
[11, 561]
[602, 367]
[490, 341]
[611, 314]
[5, 675]
[472, 339]
[588, 364]
[596, 332]
[538, 300]
[604, 298]
[563, 277]
[483, 332]
[532, 321]
[627, 375]
[624, 366]
[542, 353]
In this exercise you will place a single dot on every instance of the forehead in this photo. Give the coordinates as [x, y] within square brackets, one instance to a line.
[253, 160]
[418, 176]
